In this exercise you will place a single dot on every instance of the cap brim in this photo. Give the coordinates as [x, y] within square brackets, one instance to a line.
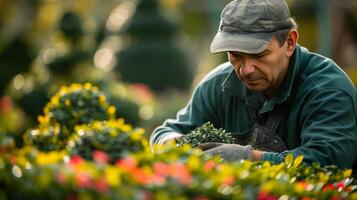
[251, 43]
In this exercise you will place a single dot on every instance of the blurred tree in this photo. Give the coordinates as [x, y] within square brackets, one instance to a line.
[15, 58]
[151, 57]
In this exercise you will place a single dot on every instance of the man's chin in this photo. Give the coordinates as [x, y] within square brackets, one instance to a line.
[255, 87]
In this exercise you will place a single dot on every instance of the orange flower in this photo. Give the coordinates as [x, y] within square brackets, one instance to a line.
[142, 176]
[208, 166]
[228, 180]
[128, 163]
[181, 173]
[161, 168]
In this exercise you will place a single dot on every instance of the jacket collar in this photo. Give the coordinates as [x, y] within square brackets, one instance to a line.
[232, 85]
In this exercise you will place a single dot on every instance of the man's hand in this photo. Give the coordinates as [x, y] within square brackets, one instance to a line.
[229, 152]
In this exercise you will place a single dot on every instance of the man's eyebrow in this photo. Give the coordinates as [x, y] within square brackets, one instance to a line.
[263, 52]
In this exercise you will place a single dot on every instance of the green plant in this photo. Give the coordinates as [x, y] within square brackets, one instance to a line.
[113, 137]
[76, 104]
[204, 134]
[47, 138]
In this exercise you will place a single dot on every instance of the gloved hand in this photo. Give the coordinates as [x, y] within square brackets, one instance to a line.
[229, 152]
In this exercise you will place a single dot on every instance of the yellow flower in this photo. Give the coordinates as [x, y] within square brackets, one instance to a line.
[96, 125]
[102, 99]
[75, 87]
[111, 110]
[87, 86]
[112, 176]
[55, 100]
[43, 119]
[67, 102]
[63, 91]
[52, 157]
[193, 162]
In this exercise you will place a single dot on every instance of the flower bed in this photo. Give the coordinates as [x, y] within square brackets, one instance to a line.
[109, 159]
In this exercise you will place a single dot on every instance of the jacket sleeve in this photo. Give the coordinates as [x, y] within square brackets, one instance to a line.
[328, 130]
[199, 110]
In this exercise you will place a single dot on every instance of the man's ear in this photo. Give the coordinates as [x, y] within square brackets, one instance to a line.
[291, 41]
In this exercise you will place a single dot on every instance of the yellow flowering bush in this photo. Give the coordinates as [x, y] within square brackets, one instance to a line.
[186, 173]
[71, 106]
[76, 104]
[79, 155]
[113, 137]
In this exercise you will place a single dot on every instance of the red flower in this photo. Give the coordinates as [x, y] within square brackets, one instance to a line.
[266, 196]
[100, 157]
[100, 185]
[75, 160]
[340, 185]
[328, 187]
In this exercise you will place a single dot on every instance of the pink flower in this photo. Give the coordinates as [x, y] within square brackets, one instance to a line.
[100, 157]
[82, 180]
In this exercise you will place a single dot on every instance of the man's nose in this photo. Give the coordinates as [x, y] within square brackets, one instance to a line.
[247, 66]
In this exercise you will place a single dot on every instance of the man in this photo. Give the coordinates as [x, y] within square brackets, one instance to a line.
[275, 96]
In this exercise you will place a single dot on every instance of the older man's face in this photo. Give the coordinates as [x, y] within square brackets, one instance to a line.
[263, 72]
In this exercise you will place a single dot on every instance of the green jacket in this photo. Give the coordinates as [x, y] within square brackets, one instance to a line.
[322, 122]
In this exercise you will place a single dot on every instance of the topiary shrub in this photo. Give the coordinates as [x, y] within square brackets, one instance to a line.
[49, 138]
[151, 57]
[204, 134]
[76, 104]
[113, 137]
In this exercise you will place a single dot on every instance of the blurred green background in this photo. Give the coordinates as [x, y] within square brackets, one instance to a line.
[146, 55]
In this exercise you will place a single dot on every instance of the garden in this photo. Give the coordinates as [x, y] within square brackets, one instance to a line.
[80, 150]
[84, 83]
